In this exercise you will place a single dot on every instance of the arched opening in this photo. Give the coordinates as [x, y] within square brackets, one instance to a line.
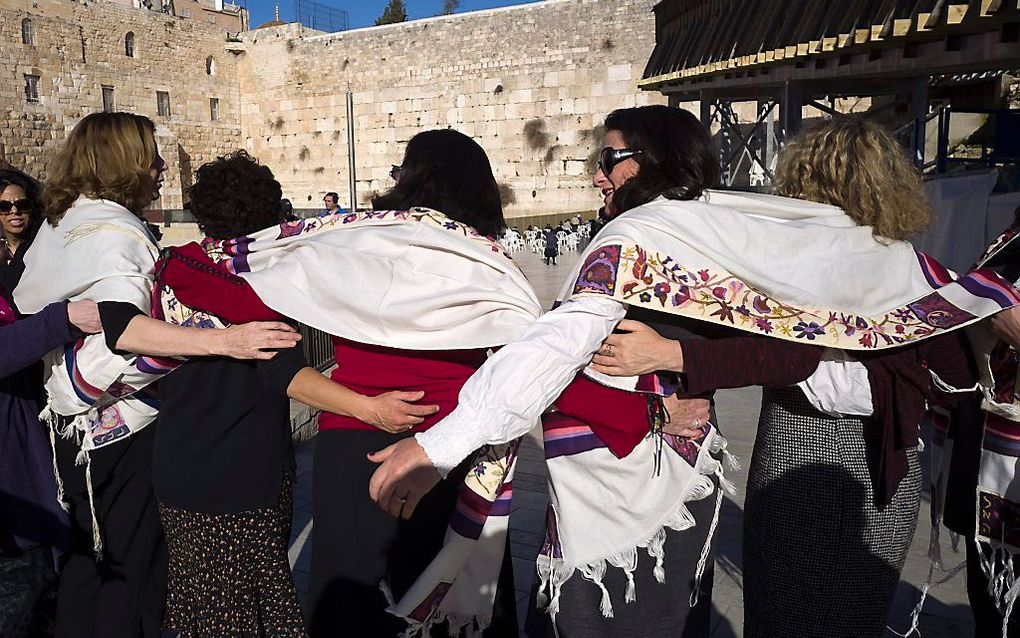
[210, 66]
[129, 44]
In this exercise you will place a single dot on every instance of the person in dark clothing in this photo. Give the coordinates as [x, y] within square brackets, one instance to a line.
[20, 217]
[32, 524]
[227, 518]
[552, 247]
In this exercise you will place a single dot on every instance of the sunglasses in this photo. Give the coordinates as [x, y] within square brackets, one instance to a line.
[610, 157]
[395, 171]
[24, 206]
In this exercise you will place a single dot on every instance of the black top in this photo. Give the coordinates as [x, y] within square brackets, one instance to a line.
[223, 437]
[10, 272]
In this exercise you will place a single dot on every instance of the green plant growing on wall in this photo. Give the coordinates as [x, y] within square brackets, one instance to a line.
[394, 12]
[450, 7]
[535, 135]
[303, 155]
[506, 194]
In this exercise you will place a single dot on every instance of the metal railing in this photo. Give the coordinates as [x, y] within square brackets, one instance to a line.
[318, 348]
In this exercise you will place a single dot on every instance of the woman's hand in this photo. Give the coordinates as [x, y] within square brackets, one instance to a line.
[1006, 326]
[84, 315]
[395, 412]
[686, 416]
[638, 350]
[255, 340]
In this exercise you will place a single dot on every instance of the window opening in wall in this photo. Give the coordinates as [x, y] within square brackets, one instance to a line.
[214, 108]
[108, 104]
[162, 103]
[32, 88]
[185, 13]
[129, 44]
[210, 66]
[27, 32]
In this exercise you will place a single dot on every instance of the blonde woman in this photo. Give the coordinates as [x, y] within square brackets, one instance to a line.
[95, 245]
[832, 498]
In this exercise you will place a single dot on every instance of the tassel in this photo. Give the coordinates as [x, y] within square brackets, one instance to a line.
[56, 469]
[631, 594]
[706, 550]
[656, 551]
[97, 540]
[606, 606]
[731, 460]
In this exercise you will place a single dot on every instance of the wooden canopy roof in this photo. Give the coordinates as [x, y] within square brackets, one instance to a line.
[740, 44]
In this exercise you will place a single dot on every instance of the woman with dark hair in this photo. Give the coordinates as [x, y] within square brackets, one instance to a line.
[20, 217]
[227, 519]
[646, 149]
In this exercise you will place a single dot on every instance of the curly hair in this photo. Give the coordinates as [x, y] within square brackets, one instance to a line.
[33, 192]
[448, 171]
[106, 156]
[235, 196]
[860, 167]
[678, 159]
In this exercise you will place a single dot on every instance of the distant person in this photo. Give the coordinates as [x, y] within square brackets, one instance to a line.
[552, 248]
[287, 209]
[330, 200]
[20, 217]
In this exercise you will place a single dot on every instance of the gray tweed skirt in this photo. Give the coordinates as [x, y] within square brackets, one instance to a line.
[819, 558]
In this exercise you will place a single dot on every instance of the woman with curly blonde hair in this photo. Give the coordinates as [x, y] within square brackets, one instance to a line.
[95, 245]
[833, 487]
[859, 166]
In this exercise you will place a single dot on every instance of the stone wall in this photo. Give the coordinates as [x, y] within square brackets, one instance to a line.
[80, 48]
[530, 83]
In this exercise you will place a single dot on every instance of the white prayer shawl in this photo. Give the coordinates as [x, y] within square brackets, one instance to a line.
[780, 267]
[413, 280]
[103, 252]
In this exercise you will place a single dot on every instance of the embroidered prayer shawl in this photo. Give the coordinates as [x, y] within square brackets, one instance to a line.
[414, 280]
[103, 252]
[998, 492]
[752, 262]
[98, 251]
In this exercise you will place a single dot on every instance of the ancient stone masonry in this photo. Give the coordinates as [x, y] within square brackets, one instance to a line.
[530, 83]
[77, 49]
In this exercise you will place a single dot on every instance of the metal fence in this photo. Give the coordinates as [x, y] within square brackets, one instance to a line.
[318, 348]
[321, 17]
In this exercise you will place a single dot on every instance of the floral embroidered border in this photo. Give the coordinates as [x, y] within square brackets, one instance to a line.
[637, 277]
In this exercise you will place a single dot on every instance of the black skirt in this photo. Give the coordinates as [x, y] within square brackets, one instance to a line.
[356, 545]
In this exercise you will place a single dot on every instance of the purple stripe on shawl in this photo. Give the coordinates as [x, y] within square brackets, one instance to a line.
[934, 272]
[152, 365]
[979, 284]
[572, 445]
[501, 506]
[465, 526]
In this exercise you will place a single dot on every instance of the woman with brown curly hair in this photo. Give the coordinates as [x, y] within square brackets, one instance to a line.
[832, 496]
[96, 246]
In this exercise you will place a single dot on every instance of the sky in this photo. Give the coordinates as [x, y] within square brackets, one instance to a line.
[363, 13]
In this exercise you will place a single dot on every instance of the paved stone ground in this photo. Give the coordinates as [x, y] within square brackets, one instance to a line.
[946, 613]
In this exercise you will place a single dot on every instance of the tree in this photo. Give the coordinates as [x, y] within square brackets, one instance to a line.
[393, 13]
[450, 6]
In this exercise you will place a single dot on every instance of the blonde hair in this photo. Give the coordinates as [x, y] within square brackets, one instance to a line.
[860, 167]
[106, 156]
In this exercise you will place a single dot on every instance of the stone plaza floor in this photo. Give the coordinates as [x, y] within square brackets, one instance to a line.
[946, 613]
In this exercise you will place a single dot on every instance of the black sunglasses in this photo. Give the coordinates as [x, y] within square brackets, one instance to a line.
[610, 157]
[23, 206]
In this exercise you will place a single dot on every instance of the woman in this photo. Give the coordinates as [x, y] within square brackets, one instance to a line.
[32, 525]
[20, 217]
[552, 248]
[801, 573]
[95, 245]
[227, 520]
[674, 248]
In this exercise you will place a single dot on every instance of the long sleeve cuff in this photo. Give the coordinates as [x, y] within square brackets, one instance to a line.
[448, 446]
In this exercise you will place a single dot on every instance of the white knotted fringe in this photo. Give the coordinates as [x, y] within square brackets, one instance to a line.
[97, 539]
[47, 417]
[681, 519]
[915, 615]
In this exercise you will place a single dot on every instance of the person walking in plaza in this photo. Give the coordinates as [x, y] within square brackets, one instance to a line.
[20, 217]
[856, 462]
[552, 247]
[95, 246]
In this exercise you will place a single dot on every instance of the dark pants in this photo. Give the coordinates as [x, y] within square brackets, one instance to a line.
[123, 594]
[356, 545]
[987, 619]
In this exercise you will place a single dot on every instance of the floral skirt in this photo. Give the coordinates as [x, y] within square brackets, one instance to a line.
[229, 574]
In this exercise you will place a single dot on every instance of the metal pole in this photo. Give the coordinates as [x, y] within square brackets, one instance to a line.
[351, 172]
